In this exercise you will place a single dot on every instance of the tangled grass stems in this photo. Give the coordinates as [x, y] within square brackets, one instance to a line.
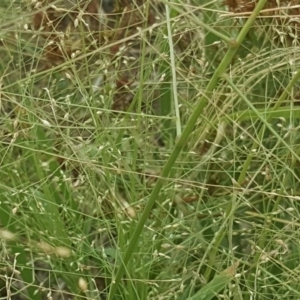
[179, 146]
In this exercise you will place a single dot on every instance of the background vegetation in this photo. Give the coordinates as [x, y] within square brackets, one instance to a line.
[155, 161]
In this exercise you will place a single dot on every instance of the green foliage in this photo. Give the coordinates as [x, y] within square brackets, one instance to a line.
[190, 192]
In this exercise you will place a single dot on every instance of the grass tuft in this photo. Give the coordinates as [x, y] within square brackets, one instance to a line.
[149, 150]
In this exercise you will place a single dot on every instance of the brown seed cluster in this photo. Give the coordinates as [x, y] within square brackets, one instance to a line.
[57, 24]
[68, 26]
[272, 7]
[275, 13]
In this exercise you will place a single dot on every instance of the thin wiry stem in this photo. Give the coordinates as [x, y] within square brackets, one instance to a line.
[203, 101]
[173, 69]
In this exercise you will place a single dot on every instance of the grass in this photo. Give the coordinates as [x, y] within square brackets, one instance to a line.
[188, 192]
